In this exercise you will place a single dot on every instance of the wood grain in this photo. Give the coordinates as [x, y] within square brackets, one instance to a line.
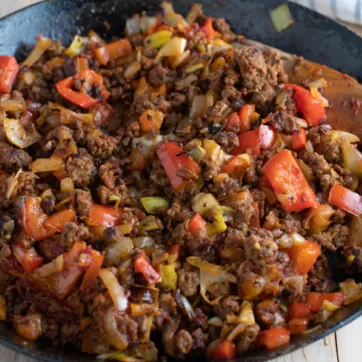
[343, 346]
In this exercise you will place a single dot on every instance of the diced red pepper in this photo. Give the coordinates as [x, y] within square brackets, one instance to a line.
[255, 220]
[233, 123]
[143, 266]
[56, 222]
[235, 165]
[299, 138]
[313, 111]
[117, 49]
[315, 300]
[274, 337]
[81, 63]
[304, 256]
[263, 137]
[61, 284]
[298, 325]
[224, 350]
[174, 159]
[9, 69]
[196, 223]
[28, 258]
[106, 216]
[288, 182]
[208, 29]
[346, 199]
[80, 99]
[92, 272]
[298, 310]
[245, 115]
[37, 225]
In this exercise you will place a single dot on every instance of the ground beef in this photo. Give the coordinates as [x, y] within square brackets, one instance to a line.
[260, 73]
[50, 248]
[183, 342]
[320, 277]
[72, 233]
[283, 122]
[260, 247]
[223, 28]
[27, 184]
[269, 314]
[225, 187]
[177, 101]
[228, 305]
[199, 339]
[330, 150]
[235, 237]
[217, 290]
[227, 140]
[336, 237]
[188, 282]
[83, 202]
[145, 101]
[12, 158]
[317, 163]
[103, 146]
[81, 168]
[159, 75]
[247, 338]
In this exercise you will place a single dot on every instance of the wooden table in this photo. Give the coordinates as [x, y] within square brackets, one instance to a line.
[343, 346]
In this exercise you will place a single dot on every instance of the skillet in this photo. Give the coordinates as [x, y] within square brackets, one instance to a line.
[313, 36]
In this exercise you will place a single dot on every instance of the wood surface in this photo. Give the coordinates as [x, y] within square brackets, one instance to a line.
[342, 346]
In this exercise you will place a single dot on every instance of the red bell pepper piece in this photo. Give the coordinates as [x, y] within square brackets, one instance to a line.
[28, 258]
[315, 300]
[117, 49]
[298, 325]
[81, 63]
[9, 69]
[143, 266]
[299, 138]
[255, 220]
[346, 199]
[224, 350]
[304, 256]
[37, 225]
[106, 216]
[208, 29]
[235, 165]
[263, 137]
[196, 223]
[173, 159]
[313, 111]
[233, 123]
[288, 182]
[298, 310]
[245, 114]
[80, 99]
[274, 337]
[92, 272]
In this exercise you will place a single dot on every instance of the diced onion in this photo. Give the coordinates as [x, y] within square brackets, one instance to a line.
[352, 158]
[18, 135]
[340, 136]
[153, 203]
[47, 165]
[115, 290]
[42, 45]
[54, 266]
[77, 46]
[176, 61]
[319, 83]
[195, 12]
[158, 39]
[132, 70]
[301, 122]
[297, 239]
[281, 18]
[67, 185]
[174, 48]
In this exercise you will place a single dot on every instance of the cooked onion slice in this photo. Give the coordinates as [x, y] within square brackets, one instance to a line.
[18, 136]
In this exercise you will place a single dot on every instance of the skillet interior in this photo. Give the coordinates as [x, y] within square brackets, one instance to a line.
[313, 36]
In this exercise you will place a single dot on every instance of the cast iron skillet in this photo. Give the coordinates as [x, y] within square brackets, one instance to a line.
[312, 36]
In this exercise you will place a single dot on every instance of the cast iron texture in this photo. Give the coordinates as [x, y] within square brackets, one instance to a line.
[312, 36]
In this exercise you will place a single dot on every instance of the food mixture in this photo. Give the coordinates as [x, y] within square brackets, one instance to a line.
[169, 193]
